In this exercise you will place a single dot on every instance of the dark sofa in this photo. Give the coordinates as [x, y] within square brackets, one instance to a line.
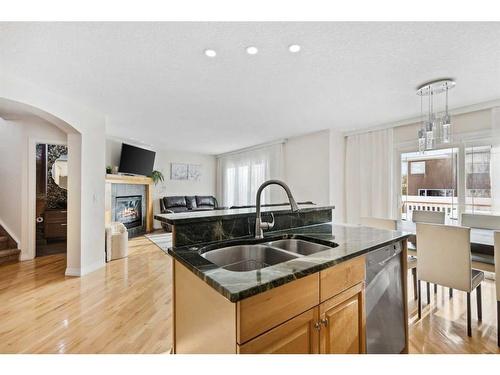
[185, 203]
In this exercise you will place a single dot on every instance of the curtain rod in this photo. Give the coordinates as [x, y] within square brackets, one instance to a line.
[252, 148]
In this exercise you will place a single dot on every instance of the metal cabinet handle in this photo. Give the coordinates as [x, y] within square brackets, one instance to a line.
[317, 326]
[324, 322]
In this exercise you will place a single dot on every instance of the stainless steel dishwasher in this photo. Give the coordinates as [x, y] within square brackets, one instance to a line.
[385, 326]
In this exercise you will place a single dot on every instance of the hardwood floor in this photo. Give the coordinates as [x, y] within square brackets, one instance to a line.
[444, 330]
[122, 308]
[126, 308]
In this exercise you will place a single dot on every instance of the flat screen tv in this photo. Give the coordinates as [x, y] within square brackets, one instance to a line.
[135, 160]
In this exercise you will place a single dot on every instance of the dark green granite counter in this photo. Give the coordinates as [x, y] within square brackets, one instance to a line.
[230, 214]
[349, 242]
[193, 228]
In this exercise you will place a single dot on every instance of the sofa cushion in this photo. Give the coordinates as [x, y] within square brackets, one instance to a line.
[175, 201]
[205, 201]
[191, 202]
[177, 209]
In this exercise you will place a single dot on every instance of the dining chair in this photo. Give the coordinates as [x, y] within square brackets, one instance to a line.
[389, 224]
[481, 221]
[376, 222]
[430, 217]
[444, 258]
[497, 281]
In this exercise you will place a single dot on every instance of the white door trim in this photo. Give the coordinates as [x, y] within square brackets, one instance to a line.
[30, 251]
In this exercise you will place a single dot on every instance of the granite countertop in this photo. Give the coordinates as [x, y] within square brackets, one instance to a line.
[351, 242]
[210, 215]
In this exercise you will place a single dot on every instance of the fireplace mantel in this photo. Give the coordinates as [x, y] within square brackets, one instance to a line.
[130, 180]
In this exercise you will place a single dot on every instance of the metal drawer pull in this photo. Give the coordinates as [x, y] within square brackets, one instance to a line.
[63, 224]
[324, 322]
[317, 326]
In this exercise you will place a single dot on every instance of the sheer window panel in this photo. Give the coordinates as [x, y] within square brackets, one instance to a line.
[240, 174]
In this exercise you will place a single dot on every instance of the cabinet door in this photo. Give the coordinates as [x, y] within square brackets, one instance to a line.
[299, 335]
[342, 321]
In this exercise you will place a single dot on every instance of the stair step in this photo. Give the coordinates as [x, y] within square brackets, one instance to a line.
[4, 240]
[9, 255]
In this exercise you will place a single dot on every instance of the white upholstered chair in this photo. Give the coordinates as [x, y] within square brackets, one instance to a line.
[444, 258]
[481, 221]
[376, 222]
[497, 281]
[389, 224]
[430, 217]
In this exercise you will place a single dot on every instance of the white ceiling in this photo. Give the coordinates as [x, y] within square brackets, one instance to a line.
[155, 85]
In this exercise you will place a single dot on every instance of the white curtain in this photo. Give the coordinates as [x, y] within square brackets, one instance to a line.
[369, 176]
[239, 175]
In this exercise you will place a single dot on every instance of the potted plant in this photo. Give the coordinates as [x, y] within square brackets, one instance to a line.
[157, 176]
[109, 169]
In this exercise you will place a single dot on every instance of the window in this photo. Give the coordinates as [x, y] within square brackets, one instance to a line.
[431, 184]
[240, 175]
[448, 186]
[482, 178]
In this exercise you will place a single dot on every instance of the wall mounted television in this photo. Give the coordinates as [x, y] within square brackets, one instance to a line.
[136, 160]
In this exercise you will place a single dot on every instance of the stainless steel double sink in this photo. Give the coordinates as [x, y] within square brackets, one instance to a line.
[252, 256]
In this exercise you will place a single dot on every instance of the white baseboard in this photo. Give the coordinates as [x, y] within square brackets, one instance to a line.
[84, 270]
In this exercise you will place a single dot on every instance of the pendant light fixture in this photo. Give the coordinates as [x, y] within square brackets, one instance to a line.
[436, 127]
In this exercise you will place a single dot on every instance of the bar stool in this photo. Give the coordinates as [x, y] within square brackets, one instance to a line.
[444, 258]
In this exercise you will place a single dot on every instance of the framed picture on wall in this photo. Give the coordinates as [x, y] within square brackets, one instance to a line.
[194, 172]
[178, 171]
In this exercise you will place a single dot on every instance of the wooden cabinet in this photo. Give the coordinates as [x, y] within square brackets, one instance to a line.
[320, 313]
[299, 335]
[55, 224]
[342, 323]
[337, 326]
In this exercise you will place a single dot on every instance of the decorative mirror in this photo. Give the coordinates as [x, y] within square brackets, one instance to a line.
[60, 171]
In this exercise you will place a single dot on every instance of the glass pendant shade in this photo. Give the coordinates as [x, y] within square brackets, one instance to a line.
[446, 129]
[429, 135]
[435, 129]
[421, 140]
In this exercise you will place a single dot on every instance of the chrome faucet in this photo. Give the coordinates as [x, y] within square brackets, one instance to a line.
[261, 225]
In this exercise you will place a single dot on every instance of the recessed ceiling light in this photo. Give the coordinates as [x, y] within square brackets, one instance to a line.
[210, 53]
[294, 48]
[252, 50]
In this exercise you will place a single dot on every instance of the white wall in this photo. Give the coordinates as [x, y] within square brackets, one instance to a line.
[205, 186]
[14, 153]
[314, 169]
[86, 155]
[307, 167]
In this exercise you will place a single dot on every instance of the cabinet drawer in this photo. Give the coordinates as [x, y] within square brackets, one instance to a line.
[296, 336]
[56, 216]
[55, 230]
[260, 313]
[341, 277]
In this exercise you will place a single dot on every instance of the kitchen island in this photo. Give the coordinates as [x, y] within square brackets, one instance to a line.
[301, 301]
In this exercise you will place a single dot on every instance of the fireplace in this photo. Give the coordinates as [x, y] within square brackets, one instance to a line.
[129, 210]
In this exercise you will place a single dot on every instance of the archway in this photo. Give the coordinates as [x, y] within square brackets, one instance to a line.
[82, 256]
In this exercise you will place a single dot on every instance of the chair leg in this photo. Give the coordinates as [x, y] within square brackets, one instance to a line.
[451, 292]
[428, 293]
[435, 288]
[469, 329]
[498, 323]
[479, 303]
[420, 300]
[415, 288]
